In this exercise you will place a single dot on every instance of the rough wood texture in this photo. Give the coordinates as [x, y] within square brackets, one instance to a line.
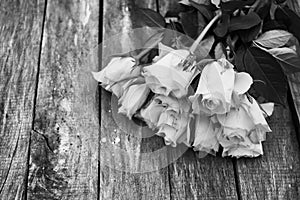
[64, 143]
[276, 175]
[20, 35]
[206, 178]
[123, 151]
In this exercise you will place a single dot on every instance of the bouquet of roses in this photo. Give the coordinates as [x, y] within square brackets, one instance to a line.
[216, 90]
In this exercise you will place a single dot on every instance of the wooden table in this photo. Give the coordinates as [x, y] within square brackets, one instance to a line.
[55, 121]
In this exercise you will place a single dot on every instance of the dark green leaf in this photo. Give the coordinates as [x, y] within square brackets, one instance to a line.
[147, 17]
[192, 22]
[290, 19]
[263, 67]
[244, 22]
[239, 58]
[174, 11]
[205, 10]
[274, 38]
[222, 27]
[250, 34]
[264, 10]
[272, 24]
[288, 59]
[231, 6]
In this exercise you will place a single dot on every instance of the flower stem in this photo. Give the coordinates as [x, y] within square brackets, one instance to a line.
[205, 30]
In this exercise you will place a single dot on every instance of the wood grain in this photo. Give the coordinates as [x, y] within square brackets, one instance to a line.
[132, 167]
[64, 143]
[20, 35]
[202, 178]
[276, 174]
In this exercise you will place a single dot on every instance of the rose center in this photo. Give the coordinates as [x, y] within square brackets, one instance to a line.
[211, 103]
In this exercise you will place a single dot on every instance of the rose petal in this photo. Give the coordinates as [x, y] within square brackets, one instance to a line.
[166, 76]
[133, 99]
[255, 113]
[205, 135]
[163, 50]
[268, 108]
[120, 68]
[216, 84]
[152, 113]
[242, 149]
[242, 82]
[236, 119]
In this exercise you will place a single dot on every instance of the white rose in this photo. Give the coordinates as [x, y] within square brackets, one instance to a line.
[166, 75]
[205, 134]
[244, 129]
[170, 116]
[133, 98]
[215, 88]
[219, 88]
[117, 73]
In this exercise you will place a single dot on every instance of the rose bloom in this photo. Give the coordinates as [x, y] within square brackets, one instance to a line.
[166, 75]
[133, 98]
[170, 116]
[244, 129]
[206, 131]
[219, 88]
[118, 74]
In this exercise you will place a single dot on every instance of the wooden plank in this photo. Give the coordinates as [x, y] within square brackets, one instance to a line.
[206, 178]
[276, 174]
[130, 165]
[64, 143]
[20, 35]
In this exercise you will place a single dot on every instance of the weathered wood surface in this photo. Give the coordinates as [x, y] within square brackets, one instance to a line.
[64, 142]
[124, 155]
[51, 144]
[276, 175]
[20, 36]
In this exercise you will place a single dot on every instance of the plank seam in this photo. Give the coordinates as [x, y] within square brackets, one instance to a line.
[34, 102]
[236, 179]
[100, 40]
[157, 6]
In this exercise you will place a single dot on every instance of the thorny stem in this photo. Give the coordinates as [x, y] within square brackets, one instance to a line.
[205, 30]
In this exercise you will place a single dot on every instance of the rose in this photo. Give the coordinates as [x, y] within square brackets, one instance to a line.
[133, 98]
[118, 74]
[215, 88]
[219, 88]
[206, 132]
[244, 129]
[170, 116]
[166, 76]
